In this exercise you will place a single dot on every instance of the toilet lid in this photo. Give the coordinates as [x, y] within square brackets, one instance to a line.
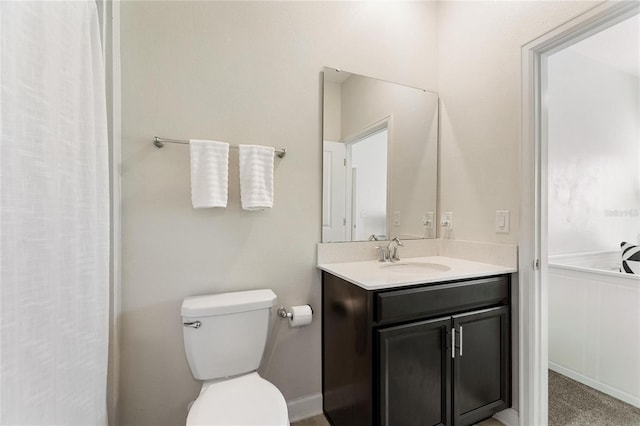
[246, 400]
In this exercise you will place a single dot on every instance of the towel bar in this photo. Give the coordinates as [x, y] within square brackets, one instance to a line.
[159, 142]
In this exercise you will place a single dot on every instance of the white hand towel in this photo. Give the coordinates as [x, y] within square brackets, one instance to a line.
[256, 176]
[209, 173]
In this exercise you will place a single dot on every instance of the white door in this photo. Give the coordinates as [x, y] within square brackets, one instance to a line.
[333, 192]
[367, 157]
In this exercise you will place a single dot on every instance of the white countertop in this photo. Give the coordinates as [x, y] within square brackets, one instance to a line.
[374, 275]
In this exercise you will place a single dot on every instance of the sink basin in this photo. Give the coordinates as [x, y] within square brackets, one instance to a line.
[415, 267]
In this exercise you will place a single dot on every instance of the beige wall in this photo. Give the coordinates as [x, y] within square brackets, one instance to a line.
[479, 85]
[241, 72]
[332, 111]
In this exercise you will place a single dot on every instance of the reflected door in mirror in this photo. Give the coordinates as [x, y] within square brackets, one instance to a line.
[367, 191]
[334, 224]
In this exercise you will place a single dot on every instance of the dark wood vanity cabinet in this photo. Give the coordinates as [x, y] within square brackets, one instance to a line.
[437, 354]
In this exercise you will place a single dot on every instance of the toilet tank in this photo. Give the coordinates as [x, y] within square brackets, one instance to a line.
[231, 335]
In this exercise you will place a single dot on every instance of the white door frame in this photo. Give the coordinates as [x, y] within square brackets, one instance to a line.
[533, 344]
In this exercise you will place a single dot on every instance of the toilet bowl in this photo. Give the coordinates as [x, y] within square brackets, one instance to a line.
[245, 400]
[224, 339]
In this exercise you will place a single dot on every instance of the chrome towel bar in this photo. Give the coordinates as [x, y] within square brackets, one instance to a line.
[159, 142]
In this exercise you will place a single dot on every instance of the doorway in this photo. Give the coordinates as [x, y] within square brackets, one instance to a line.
[535, 178]
[592, 130]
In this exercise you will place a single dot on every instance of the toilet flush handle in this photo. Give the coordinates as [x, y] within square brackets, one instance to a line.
[194, 324]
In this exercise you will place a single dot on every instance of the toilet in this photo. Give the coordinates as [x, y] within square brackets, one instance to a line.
[224, 340]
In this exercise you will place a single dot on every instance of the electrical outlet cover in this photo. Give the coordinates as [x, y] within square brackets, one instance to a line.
[447, 221]
[427, 220]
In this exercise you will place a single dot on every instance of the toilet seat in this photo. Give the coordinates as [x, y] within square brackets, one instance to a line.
[245, 400]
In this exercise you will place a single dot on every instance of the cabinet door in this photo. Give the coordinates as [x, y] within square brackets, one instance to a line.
[482, 365]
[414, 374]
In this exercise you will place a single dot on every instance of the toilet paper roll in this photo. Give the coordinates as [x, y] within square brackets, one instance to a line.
[301, 315]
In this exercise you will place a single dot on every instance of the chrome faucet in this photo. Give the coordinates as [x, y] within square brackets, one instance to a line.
[394, 256]
[389, 253]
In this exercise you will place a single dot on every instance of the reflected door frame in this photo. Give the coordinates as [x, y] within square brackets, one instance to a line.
[533, 252]
[384, 124]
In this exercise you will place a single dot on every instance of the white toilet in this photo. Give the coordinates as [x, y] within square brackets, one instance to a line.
[224, 339]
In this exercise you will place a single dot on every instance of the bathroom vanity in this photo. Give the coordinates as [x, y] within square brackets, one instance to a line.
[425, 341]
[403, 348]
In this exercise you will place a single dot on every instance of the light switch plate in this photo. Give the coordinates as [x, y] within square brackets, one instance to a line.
[502, 221]
[396, 218]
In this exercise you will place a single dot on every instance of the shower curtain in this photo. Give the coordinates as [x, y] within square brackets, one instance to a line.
[54, 215]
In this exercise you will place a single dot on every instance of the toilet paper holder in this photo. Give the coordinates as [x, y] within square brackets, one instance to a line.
[283, 313]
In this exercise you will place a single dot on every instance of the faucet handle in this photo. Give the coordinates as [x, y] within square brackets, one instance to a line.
[398, 241]
[383, 253]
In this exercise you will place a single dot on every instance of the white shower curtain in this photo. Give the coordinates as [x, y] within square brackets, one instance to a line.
[54, 217]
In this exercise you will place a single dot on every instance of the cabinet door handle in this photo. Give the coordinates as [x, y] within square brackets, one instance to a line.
[460, 340]
[453, 342]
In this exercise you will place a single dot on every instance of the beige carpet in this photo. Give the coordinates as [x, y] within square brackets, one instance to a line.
[574, 404]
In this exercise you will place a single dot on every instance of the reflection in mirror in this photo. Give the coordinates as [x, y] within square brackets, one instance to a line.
[379, 165]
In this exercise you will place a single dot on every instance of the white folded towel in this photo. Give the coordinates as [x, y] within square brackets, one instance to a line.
[209, 173]
[256, 176]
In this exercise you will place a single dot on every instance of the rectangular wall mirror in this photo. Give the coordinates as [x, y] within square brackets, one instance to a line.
[379, 162]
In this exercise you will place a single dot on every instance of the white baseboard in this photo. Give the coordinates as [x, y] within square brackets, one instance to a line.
[508, 417]
[592, 383]
[305, 407]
